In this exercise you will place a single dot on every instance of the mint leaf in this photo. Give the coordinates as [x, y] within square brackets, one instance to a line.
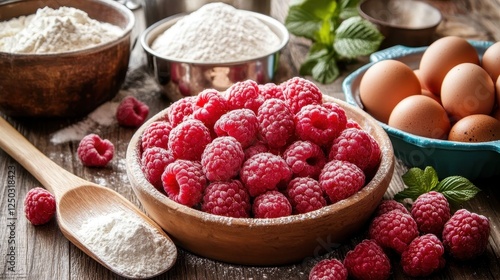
[320, 64]
[310, 18]
[457, 189]
[356, 37]
[348, 8]
[418, 182]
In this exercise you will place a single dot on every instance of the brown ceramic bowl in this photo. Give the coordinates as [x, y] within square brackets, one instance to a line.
[264, 242]
[69, 84]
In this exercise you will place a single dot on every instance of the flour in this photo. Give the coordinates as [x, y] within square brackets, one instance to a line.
[217, 32]
[54, 31]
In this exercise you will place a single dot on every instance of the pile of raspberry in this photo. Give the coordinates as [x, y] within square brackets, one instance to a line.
[420, 238]
[258, 151]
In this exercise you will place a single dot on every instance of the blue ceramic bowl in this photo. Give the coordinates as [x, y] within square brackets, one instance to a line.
[471, 160]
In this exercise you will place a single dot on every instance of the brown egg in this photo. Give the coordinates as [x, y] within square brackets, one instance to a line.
[467, 89]
[491, 61]
[422, 116]
[419, 77]
[431, 95]
[475, 128]
[384, 84]
[442, 55]
[496, 114]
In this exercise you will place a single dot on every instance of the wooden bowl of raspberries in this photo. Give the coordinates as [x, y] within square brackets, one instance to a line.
[266, 174]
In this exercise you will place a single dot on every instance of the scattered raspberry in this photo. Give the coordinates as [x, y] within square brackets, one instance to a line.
[424, 256]
[352, 145]
[318, 124]
[156, 135]
[153, 163]
[188, 140]
[276, 124]
[209, 107]
[305, 195]
[244, 94]
[256, 148]
[389, 205]
[393, 230]
[431, 211]
[222, 158]
[94, 151]
[367, 261]
[271, 90]
[465, 235]
[300, 92]
[181, 110]
[184, 182]
[131, 112]
[263, 172]
[39, 206]
[305, 158]
[271, 204]
[328, 269]
[341, 179]
[241, 124]
[228, 199]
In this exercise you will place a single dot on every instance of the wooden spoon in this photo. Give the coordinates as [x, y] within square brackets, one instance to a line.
[77, 200]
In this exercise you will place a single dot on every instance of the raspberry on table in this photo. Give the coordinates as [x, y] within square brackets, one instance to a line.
[222, 158]
[305, 158]
[328, 269]
[244, 94]
[367, 261]
[188, 139]
[181, 110]
[184, 182]
[271, 204]
[341, 179]
[300, 92]
[318, 124]
[305, 195]
[94, 151]
[465, 235]
[271, 90]
[209, 107]
[352, 145]
[228, 199]
[131, 112]
[424, 256]
[39, 206]
[241, 124]
[276, 123]
[154, 160]
[431, 211]
[156, 135]
[387, 205]
[393, 230]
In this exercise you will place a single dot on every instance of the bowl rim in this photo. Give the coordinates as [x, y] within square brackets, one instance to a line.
[162, 25]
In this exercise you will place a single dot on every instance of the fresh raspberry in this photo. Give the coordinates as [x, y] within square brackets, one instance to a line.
[389, 205]
[341, 179]
[342, 116]
[276, 124]
[393, 230]
[156, 135]
[431, 211]
[318, 124]
[153, 163]
[352, 124]
[271, 204]
[39, 206]
[94, 151]
[209, 107]
[228, 199]
[271, 90]
[256, 148]
[188, 140]
[367, 261]
[181, 110]
[352, 145]
[305, 158]
[328, 269]
[305, 195]
[424, 256]
[300, 92]
[465, 235]
[131, 112]
[263, 172]
[242, 124]
[184, 182]
[222, 158]
[375, 156]
[244, 94]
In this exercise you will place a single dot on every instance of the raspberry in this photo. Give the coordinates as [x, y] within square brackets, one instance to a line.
[367, 261]
[375, 155]
[228, 199]
[352, 145]
[188, 140]
[156, 135]
[184, 182]
[328, 269]
[271, 90]
[352, 124]
[263, 172]
[318, 124]
[341, 179]
[276, 124]
[39, 206]
[305, 158]
[257, 148]
[342, 117]
[209, 107]
[131, 112]
[153, 163]
[393, 230]
[271, 204]
[305, 195]
[242, 124]
[181, 110]
[222, 158]
[431, 211]
[94, 151]
[389, 205]
[424, 256]
[244, 94]
[300, 92]
[465, 235]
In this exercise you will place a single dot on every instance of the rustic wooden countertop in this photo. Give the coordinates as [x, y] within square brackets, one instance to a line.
[42, 252]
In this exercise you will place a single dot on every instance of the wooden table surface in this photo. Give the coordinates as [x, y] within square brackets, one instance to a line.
[42, 252]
